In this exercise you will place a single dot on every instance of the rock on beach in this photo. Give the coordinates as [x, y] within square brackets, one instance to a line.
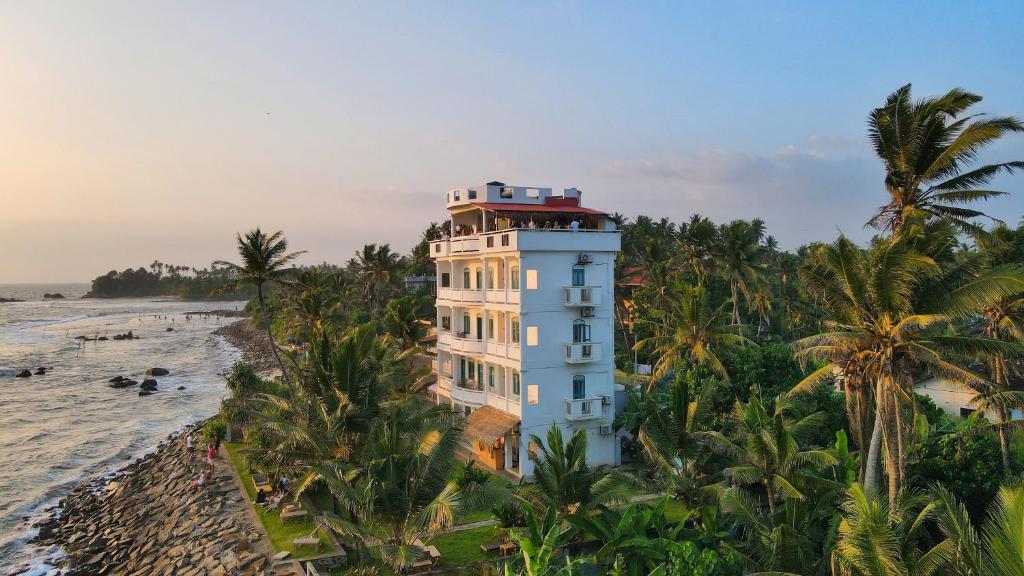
[150, 519]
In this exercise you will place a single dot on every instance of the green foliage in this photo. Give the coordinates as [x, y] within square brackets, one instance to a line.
[214, 429]
[770, 369]
[965, 460]
[167, 280]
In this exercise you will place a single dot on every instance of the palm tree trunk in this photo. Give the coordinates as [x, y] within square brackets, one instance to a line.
[1004, 439]
[270, 335]
[735, 302]
[771, 502]
[871, 468]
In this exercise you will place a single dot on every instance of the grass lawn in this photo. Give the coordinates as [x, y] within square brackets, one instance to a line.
[463, 547]
[281, 533]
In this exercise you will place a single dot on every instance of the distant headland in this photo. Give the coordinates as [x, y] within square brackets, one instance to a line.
[159, 279]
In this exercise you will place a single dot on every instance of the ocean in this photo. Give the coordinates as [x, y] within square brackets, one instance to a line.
[59, 428]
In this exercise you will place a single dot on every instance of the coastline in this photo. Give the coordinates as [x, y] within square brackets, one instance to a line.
[89, 532]
[148, 518]
[253, 345]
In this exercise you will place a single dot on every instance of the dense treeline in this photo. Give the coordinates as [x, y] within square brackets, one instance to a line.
[168, 280]
[780, 419]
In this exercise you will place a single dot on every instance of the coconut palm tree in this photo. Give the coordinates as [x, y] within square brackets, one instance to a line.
[927, 146]
[997, 549]
[378, 268]
[669, 431]
[697, 239]
[403, 491]
[884, 308]
[562, 479]
[685, 328]
[882, 538]
[739, 258]
[311, 299]
[766, 450]
[264, 258]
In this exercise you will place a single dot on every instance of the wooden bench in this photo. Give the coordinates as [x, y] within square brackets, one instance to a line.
[490, 547]
[261, 481]
[290, 514]
[312, 539]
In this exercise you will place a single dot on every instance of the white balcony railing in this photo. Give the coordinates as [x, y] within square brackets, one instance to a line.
[468, 392]
[587, 408]
[582, 352]
[468, 345]
[581, 295]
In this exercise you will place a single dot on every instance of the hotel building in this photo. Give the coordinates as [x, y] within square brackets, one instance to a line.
[525, 313]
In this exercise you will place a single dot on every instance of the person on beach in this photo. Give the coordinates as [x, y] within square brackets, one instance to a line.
[201, 480]
[209, 457]
[190, 447]
[216, 444]
[261, 497]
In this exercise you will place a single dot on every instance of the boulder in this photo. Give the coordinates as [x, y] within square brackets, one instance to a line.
[157, 372]
[123, 383]
[170, 329]
[181, 387]
[40, 372]
[102, 338]
[145, 392]
[116, 379]
[23, 374]
[149, 384]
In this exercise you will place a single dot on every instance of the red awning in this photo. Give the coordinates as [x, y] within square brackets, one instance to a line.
[501, 207]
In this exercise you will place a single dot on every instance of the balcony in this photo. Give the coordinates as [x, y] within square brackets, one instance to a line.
[581, 295]
[460, 295]
[468, 392]
[468, 345]
[582, 352]
[513, 239]
[587, 408]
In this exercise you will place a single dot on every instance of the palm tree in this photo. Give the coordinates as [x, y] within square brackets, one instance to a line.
[403, 491]
[686, 328]
[637, 539]
[926, 145]
[311, 299]
[884, 306]
[697, 239]
[739, 258]
[669, 430]
[263, 260]
[766, 450]
[882, 538]
[377, 267]
[998, 548]
[563, 480]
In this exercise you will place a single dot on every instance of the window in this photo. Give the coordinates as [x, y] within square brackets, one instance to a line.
[506, 192]
[515, 330]
[532, 393]
[437, 247]
[465, 326]
[579, 277]
[580, 332]
[531, 279]
[456, 194]
[532, 193]
[490, 328]
[579, 387]
[514, 278]
[532, 336]
[446, 280]
[465, 278]
[471, 374]
[490, 278]
[490, 377]
[446, 323]
[531, 451]
[490, 241]
[466, 410]
[479, 328]
[479, 279]
[516, 386]
[504, 240]
[472, 194]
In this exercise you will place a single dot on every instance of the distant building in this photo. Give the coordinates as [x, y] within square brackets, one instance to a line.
[525, 316]
[956, 399]
[414, 284]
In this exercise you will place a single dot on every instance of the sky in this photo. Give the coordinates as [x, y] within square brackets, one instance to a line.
[134, 131]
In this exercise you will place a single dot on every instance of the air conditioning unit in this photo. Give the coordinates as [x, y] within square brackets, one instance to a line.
[605, 430]
[583, 259]
[606, 400]
[587, 312]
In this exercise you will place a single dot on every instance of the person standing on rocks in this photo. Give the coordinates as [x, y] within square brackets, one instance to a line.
[209, 457]
[190, 447]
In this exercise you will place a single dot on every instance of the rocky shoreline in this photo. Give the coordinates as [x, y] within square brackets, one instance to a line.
[150, 519]
[253, 344]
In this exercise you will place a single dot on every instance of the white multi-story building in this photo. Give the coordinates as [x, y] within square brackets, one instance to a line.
[525, 314]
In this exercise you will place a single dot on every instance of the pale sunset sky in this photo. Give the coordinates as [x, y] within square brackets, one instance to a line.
[133, 131]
